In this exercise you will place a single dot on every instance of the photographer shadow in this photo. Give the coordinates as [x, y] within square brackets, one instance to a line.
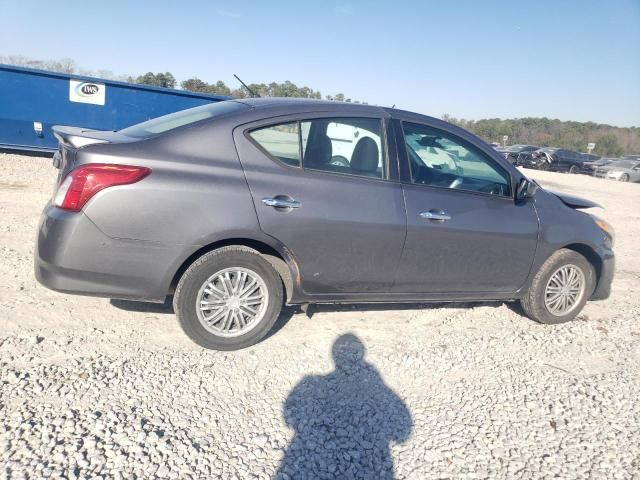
[345, 421]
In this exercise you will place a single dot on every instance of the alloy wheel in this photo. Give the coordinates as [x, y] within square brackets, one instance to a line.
[232, 302]
[564, 290]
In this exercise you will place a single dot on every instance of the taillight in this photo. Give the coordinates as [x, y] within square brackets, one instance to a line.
[84, 182]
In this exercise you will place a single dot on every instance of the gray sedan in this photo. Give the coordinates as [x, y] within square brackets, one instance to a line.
[239, 207]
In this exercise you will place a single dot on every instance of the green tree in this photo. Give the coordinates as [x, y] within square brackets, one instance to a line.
[166, 79]
[607, 146]
[195, 85]
[610, 141]
[220, 88]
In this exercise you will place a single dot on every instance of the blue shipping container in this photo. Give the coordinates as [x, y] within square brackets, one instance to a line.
[31, 101]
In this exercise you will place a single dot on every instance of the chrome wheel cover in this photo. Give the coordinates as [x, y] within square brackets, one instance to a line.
[565, 290]
[232, 302]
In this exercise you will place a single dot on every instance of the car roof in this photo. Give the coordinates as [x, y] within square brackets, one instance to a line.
[291, 105]
[285, 105]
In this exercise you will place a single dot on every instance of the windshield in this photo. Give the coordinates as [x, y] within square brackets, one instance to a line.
[172, 121]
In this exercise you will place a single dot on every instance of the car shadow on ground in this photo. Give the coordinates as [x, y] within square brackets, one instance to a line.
[288, 311]
[147, 307]
[345, 421]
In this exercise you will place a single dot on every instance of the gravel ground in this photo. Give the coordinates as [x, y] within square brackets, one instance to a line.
[92, 388]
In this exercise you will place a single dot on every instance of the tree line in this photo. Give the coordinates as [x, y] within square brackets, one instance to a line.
[546, 132]
[273, 89]
[610, 141]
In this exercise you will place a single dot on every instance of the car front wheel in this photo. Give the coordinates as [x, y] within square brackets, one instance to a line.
[624, 177]
[560, 289]
[229, 298]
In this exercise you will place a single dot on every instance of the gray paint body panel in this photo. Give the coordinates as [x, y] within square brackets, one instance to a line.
[487, 246]
[348, 234]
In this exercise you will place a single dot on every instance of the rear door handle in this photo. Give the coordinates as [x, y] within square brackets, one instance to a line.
[436, 215]
[278, 202]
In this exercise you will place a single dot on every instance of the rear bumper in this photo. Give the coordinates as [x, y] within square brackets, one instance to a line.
[607, 272]
[73, 255]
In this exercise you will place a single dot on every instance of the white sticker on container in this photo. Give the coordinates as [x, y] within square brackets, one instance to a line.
[87, 92]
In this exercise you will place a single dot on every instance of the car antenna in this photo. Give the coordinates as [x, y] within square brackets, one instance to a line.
[253, 94]
[393, 106]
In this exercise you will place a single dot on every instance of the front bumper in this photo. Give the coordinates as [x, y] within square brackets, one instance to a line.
[73, 255]
[609, 175]
[607, 272]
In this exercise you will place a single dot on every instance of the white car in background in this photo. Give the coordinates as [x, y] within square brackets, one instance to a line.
[344, 139]
[627, 169]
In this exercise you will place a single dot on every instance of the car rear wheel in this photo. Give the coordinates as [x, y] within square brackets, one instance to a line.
[229, 298]
[624, 177]
[560, 289]
[543, 166]
[573, 169]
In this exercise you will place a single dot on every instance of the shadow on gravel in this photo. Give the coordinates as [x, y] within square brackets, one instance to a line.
[345, 421]
[167, 307]
[289, 311]
[148, 307]
[376, 307]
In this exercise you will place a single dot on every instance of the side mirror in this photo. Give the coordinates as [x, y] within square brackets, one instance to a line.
[526, 190]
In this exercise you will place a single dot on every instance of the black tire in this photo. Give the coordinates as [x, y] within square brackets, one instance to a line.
[533, 302]
[185, 297]
[573, 169]
[544, 166]
[624, 177]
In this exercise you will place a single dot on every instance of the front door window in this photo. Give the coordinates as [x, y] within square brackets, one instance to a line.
[440, 159]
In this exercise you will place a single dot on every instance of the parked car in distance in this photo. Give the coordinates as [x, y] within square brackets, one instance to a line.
[624, 170]
[537, 159]
[590, 166]
[559, 160]
[514, 153]
[238, 207]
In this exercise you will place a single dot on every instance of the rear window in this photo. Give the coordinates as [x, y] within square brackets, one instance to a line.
[172, 121]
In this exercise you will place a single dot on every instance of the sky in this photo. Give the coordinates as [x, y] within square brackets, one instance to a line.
[568, 59]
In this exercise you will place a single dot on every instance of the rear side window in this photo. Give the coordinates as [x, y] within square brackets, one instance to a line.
[172, 121]
[352, 146]
[349, 146]
[280, 141]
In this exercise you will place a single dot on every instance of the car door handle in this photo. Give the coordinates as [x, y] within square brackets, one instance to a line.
[437, 215]
[281, 203]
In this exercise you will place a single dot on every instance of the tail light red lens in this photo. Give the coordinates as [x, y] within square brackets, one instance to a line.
[84, 182]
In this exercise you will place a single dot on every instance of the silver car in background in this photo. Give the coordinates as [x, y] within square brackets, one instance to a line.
[627, 169]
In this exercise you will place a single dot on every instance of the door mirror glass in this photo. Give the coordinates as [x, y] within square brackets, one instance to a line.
[526, 190]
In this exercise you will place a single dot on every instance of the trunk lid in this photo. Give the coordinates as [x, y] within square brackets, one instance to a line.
[72, 139]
